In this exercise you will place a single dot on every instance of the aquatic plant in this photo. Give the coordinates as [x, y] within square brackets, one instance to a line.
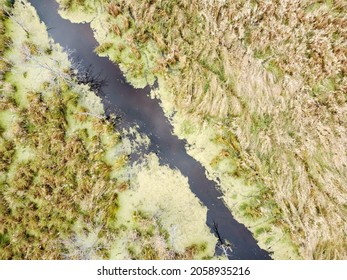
[63, 162]
[263, 81]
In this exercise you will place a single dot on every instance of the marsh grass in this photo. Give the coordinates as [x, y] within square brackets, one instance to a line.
[51, 178]
[63, 163]
[270, 79]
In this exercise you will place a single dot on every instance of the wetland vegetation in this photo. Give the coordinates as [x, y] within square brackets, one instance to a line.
[67, 187]
[258, 90]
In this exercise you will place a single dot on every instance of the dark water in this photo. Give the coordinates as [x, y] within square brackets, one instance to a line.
[136, 107]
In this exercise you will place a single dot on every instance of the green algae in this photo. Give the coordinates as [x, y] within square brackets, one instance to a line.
[209, 80]
[66, 184]
[164, 194]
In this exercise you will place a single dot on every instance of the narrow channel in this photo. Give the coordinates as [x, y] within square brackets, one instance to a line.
[136, 107]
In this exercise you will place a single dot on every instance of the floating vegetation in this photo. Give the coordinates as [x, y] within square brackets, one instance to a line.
[64, 165]
[258, 90]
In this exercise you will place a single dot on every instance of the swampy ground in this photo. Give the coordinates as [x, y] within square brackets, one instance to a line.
[67, 187]
[258, 90]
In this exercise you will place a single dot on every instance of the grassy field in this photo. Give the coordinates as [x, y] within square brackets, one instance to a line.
[67, 188]
[258, 89]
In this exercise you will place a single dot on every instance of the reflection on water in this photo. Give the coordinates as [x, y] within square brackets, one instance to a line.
[136, 107]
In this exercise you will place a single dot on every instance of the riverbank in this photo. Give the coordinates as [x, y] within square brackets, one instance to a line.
[264, 111]
[67, 187]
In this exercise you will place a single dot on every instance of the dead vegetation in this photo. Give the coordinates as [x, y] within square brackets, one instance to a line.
[59, 186]
[64, 179]
[270, 78]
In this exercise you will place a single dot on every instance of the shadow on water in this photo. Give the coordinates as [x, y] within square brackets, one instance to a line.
[136, 107]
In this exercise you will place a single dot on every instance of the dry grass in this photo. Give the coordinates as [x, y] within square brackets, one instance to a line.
[60, 177]
[42, 197]
[270, 77]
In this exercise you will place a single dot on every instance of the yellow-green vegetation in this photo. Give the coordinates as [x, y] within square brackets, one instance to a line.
[64, 166]
[163, 194]
[258, 89]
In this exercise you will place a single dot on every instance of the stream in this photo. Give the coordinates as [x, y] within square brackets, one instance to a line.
[137, 108]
